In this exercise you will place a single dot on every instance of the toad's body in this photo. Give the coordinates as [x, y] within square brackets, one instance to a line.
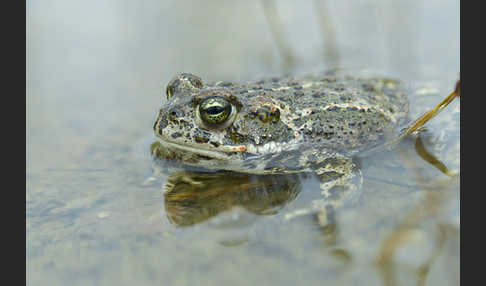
[313, 123]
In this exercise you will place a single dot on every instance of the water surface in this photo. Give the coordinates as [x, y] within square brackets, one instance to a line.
[96, 75]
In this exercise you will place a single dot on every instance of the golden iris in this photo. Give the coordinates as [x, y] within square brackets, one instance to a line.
[215, 109]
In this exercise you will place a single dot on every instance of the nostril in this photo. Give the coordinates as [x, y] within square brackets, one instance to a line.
[173, 113]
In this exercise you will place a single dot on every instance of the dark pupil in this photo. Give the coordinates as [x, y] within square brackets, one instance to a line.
[213, 110]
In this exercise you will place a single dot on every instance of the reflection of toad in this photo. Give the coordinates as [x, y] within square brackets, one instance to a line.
[193, 197]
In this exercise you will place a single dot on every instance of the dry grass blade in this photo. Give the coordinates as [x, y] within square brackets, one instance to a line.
[331, 53]
[417, 123]
[428, 157]
[276, 28]
[423, 271]
[431, 205]
[433, 112]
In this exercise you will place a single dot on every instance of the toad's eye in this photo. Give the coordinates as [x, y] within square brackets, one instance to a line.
[215, 110]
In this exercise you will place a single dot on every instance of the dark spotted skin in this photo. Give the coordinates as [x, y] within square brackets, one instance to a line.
[327, 111]
[313, 124]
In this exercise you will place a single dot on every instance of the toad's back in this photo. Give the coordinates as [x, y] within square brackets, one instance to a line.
[345, 113]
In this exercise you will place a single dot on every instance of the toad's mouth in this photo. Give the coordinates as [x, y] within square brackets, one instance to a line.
[221, 154]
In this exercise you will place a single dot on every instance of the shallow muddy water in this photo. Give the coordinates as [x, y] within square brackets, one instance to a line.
[96, 213]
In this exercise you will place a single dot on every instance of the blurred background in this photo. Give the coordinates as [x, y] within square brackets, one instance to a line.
[96, 73]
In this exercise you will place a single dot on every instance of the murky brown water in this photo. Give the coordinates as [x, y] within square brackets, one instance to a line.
[96, 73]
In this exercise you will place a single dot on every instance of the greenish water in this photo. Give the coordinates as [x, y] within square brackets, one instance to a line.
[96, 75]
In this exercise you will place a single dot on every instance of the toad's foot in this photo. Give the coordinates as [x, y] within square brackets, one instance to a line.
[340, 183]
